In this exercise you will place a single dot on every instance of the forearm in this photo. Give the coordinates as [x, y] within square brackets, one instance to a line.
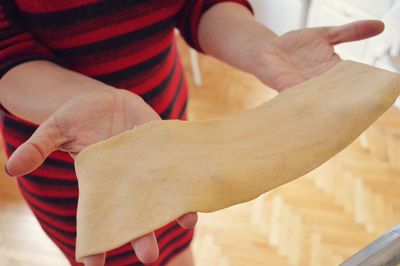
[34, 90]
[229, 32]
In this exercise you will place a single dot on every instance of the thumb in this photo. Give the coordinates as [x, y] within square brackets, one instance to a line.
[32, 153]
[354, 31]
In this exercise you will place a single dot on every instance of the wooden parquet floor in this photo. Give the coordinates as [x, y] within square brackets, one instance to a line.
[319, 219]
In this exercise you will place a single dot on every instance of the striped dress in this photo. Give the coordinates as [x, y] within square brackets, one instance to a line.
[128, 44]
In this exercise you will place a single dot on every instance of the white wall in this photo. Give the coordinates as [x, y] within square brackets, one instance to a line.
[281, 15]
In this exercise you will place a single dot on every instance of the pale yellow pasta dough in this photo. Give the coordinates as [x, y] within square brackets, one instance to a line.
[142, 179]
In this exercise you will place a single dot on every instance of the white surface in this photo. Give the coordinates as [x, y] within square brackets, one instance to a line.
[397, 103]
[194, 61]
[389, 41]
[281, 16]
[374, 7]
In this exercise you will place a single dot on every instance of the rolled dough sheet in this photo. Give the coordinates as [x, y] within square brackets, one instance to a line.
[144, 178]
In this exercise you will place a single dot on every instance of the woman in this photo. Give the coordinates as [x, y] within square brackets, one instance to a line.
[86, 70]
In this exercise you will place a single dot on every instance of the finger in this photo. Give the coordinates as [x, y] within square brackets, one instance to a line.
[188, 220]
[146, 248]
[95, 260]
[354, 31]
[31, 154]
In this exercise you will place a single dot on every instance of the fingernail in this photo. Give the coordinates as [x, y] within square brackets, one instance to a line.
[5, 170]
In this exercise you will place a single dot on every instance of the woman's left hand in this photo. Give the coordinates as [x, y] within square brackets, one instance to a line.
[302, 54]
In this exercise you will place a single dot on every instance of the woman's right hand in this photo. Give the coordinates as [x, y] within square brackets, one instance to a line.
[83, 121]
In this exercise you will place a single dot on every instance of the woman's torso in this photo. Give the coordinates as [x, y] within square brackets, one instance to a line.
[128, 44]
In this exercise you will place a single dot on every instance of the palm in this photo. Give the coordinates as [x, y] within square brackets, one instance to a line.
[104, 116]
[302, 54]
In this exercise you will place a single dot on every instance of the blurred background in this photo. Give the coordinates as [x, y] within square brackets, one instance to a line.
[320, 219]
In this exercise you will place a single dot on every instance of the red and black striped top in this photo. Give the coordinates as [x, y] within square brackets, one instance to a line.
[128, 44]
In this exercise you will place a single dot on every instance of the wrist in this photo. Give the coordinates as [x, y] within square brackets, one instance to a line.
[125, 102]
[266, 62]
[110, 95]
[35, 90]
[260, 49]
